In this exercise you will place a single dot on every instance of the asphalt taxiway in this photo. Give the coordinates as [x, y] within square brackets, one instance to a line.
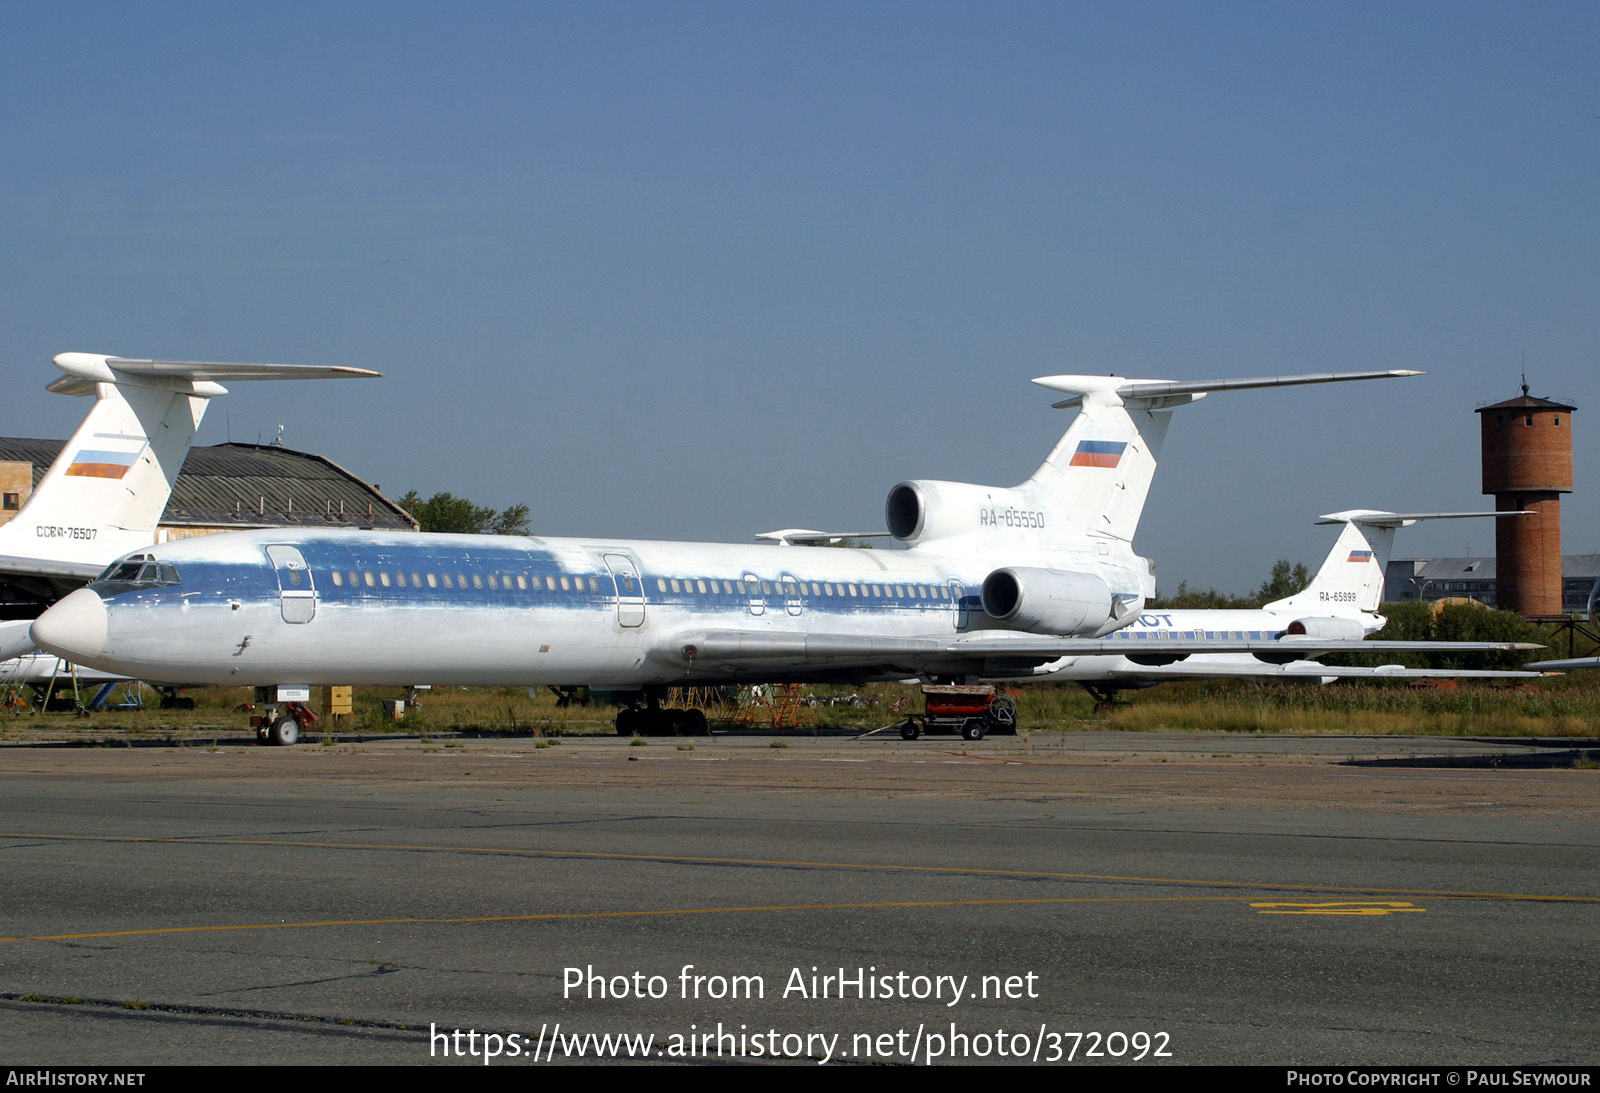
[1203, 899]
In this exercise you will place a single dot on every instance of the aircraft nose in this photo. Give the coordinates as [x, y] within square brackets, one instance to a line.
[75, 628]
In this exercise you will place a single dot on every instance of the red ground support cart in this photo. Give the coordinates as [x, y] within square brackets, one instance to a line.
[970, 711]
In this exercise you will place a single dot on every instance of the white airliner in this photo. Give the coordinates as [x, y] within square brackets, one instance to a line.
[104, 495]
[993, 582]
[1341, 601]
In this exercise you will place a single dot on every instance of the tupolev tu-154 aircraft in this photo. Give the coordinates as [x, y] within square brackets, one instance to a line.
[993, 582]
[104, 495]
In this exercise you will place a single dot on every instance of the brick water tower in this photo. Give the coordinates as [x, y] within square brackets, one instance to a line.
[1527, 464]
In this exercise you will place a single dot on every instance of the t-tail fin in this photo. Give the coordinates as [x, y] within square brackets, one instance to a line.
[1097, 478]
[1350, 581]
[104, 495]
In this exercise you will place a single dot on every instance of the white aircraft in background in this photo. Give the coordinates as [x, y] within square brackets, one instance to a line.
[994, 582]
[1342, 600]
[104, 495]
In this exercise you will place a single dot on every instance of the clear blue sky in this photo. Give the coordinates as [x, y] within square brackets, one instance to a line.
[701, 270]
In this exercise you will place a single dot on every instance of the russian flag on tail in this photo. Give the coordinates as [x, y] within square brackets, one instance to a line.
[92, 463]
[1360, 556]
[1098, 453]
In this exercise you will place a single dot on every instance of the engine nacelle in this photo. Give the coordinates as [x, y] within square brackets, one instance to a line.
[1326, 629]
[1048, 601]
[923, 510]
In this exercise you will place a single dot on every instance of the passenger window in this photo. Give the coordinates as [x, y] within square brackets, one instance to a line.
[433, 580]
[448, 583]
[702, 586]
[338, 578]
[566, 584]
[368, 579]
[383, 578]
[494, 582]
[677, 585]
[522, 581]
[477, 580]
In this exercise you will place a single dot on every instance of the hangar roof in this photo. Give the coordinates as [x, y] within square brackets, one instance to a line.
[251, 486]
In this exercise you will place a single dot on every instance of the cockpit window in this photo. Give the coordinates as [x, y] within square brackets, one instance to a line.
[137, 571]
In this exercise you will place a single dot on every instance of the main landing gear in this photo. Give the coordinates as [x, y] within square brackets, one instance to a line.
[280, 723]
[653, 720]
[1105, 697]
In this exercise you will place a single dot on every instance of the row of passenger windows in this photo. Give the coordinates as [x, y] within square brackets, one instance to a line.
[384, 578]
[795, 589]
[498, 581]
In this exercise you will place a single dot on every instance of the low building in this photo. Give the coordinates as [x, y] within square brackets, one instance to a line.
[231, 487]
[1428, 579]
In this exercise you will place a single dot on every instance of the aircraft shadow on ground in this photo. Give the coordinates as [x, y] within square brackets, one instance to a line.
[1552, 755]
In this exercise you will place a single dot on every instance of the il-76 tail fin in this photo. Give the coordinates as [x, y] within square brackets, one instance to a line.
[105, 494]
[1350, 581]
[1097, 478]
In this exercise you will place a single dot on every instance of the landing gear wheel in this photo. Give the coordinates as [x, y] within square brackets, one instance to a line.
[972, 729]
[261, 736]
[910, 731]
[285, 732]
[695, 723]
[627, 721]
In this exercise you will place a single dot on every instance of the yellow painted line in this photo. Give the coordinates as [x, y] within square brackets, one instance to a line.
[558, 916]
[887, 867]
[1334, 908]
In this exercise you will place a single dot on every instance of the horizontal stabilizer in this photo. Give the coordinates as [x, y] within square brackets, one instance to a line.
[1379, 519]
[84, 370]
[807, 537]
[1175, 393]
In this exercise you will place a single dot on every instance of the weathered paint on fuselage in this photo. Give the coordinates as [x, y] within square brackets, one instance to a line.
[400, 609]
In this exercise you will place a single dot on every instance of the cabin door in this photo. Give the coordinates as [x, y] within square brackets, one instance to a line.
[958, 604]
[630, 589]
[297, 595]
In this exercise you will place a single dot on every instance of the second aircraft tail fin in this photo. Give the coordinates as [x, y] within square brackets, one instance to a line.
[104, 495]
[1350, 581]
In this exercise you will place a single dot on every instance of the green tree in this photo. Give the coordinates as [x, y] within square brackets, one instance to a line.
[1285, 581]
[445, 512]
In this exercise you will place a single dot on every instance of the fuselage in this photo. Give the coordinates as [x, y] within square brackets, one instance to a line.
[339, 607]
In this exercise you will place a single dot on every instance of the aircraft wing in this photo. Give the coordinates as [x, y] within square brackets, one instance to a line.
[1306, 669]
[733, 650]
[75, 573]
[1563, 665]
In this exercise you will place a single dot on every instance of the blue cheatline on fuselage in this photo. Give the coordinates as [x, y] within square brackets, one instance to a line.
[363, 574]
